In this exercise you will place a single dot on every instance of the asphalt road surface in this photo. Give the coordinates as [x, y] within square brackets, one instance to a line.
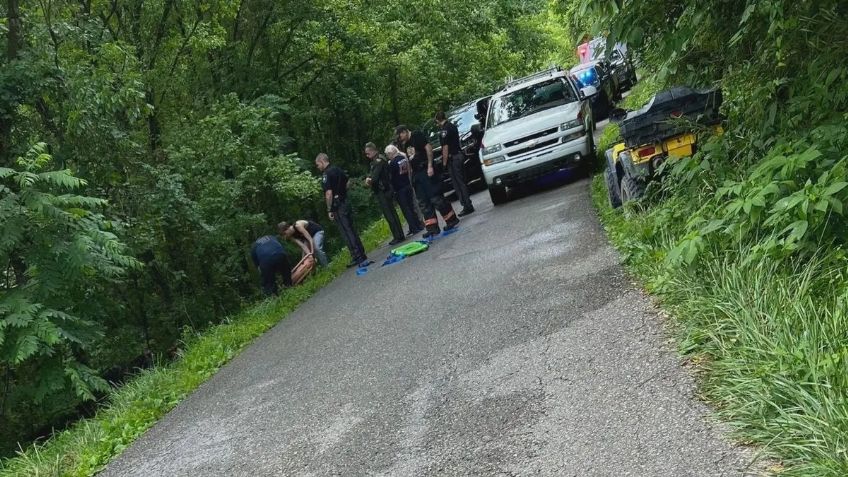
[515, 346]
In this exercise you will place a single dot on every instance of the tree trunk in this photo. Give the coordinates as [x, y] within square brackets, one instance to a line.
[13, 46]
[154, 133]
[13, 23]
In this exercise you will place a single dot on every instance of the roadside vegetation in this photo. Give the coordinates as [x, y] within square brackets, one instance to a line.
[745, 242]
[145, 145]
[129, 410]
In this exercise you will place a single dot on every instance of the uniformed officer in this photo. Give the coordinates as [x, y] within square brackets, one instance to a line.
[270, 257]
[379, 180]
[454, 159]
[334, 182]
[425, 183]
[402, 186]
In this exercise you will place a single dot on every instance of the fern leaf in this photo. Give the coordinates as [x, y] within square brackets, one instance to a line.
[63, 179]
[25, 348]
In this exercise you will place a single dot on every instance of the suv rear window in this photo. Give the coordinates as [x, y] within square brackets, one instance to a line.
[532, 99]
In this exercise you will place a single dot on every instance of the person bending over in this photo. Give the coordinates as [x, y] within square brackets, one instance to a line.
[308, 235]
[270, 257]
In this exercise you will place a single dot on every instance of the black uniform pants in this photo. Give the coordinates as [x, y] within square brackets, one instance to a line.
[456, 169]
[387, 206]
[344, 220]
[430, 199]
[410, 211]
[269, 269]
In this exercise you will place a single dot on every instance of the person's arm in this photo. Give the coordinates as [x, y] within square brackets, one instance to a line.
[254, 257]
[302, 245]
[328, 198]
[371, 178]
[429, 149]
[300, 228]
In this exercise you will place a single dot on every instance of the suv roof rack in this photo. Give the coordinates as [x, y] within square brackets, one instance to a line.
[510, 82]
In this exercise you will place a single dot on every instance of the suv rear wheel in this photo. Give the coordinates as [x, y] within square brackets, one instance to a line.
[498, 194]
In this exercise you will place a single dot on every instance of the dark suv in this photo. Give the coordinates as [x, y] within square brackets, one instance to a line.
[619, 60]
[470, 132]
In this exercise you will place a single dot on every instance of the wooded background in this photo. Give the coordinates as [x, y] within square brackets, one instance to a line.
[144, 144]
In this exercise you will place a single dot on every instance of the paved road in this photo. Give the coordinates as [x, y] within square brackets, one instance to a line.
[515, 346]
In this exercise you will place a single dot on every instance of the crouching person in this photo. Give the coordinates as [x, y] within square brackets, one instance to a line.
[270, 257]
[308, 235]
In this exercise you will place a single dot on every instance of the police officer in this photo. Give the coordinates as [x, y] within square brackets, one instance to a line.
[379, 180]
[334, 182]
[402, 185]
[454, 159]
[425, 183]
[270, 257]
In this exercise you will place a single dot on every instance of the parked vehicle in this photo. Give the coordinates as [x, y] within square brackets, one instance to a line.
[620, 63]
[598, 74]
[534, 126]
[466, 119]
[623, 69]
[663, 129]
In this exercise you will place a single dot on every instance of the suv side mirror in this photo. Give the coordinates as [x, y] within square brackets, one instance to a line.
[588, 91]
[617, 115]
[478, 117]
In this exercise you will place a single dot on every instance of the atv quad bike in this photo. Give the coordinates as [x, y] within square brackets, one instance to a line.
[654, 134]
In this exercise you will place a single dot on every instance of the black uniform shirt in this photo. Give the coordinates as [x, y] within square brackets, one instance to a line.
[380, 175]
[450, 138]
[418, 141]
[335, 180]
[400, 172]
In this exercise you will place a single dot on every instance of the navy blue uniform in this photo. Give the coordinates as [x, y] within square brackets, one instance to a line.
[402, 186]
[428, 189]
[269, 255]
[449, 136]
[335, 181]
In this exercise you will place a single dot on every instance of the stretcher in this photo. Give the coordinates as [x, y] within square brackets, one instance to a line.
[303, 268]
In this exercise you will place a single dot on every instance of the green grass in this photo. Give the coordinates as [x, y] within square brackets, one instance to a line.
[86, 447]
[769, 338]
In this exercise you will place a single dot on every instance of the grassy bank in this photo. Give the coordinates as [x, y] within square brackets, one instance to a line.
[768, 335]
[133, 408]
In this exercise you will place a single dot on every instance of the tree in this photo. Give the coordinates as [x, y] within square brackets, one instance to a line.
[59, 254]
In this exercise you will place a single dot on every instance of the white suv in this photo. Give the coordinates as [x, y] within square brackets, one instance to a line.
[536, 125]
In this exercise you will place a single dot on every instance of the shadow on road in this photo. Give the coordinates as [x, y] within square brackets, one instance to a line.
[546, 183]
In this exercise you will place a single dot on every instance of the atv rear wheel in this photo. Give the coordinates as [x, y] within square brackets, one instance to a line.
[612, 189]
[631, 189]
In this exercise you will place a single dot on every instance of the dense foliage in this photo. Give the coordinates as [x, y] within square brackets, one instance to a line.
[143, 145]
[746, 240]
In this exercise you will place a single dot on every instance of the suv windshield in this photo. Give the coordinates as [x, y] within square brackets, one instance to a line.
[464, 118]
[530, 100]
